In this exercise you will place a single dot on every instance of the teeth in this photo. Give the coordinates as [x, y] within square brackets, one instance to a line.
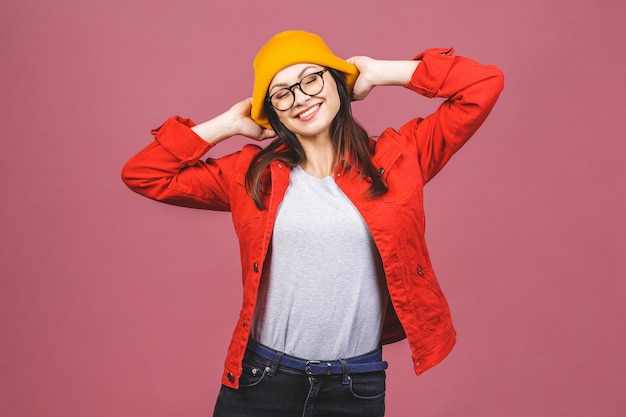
[308, 112]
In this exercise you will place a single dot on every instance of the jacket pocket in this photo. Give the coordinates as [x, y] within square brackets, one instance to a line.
[400, 176]
[243, 208]
[430, 299]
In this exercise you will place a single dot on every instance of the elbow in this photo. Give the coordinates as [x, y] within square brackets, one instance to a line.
[496, 79]
[499, 79]
[130, 177]
[493, 87]
[126, 174]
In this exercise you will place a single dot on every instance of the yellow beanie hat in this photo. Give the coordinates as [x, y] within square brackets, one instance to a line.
[289, 48]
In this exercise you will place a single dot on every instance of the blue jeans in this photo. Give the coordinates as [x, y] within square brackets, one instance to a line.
[271, 390]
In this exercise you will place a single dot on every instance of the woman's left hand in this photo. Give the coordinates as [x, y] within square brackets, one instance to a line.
[365, 81]
[373, 72]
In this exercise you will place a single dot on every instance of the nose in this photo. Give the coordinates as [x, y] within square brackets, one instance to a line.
[299, 96]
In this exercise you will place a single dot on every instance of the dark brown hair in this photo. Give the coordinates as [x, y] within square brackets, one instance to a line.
[350, 139]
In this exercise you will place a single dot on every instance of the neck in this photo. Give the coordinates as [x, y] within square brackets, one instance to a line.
[320, 156]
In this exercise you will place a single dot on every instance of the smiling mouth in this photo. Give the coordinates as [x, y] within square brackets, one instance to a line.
[308, 112]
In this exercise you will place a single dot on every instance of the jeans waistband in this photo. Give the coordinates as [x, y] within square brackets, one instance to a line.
[369, 362]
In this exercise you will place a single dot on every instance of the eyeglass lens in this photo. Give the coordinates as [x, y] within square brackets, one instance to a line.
[310, 85]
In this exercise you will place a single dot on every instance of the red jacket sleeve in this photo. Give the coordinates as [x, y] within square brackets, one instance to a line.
[170, 170]
[470, 89]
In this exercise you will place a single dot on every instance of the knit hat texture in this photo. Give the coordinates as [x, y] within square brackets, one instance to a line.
[289, 48]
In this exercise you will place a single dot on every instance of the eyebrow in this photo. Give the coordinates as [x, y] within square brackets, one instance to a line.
[299, 76]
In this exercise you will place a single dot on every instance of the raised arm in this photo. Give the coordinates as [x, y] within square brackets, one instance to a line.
[170, 170]
[470, 89]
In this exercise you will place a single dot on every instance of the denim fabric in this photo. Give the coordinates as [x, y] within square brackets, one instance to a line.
[269, 390]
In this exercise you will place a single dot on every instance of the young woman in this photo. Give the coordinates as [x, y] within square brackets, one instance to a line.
[330, 223]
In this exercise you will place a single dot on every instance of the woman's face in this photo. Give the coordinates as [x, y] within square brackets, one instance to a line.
[310, 116]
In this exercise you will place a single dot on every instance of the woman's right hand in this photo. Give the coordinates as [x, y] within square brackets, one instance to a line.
[235, 121]
[245, 126]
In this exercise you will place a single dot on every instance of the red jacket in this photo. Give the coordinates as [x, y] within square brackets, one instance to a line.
[170, 170]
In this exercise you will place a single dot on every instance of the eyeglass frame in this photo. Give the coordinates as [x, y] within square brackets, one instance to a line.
[298, 84]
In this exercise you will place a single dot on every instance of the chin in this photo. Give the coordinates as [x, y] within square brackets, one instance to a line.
[313, 131]
[313, 127]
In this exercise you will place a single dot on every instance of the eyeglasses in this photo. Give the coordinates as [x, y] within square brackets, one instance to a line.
[310, 85]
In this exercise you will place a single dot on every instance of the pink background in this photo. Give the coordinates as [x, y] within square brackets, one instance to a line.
[114, 305]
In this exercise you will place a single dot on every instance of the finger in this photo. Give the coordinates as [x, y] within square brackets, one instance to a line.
[268, 133]
[265, 134]
[357, 94]
[248, 102]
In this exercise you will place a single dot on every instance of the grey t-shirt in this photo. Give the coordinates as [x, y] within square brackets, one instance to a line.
[323, 293]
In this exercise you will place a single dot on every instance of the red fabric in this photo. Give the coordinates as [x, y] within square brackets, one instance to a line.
[170, 170]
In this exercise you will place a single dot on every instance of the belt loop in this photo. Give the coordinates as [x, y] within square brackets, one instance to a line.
[276, 363]
[345, 377]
